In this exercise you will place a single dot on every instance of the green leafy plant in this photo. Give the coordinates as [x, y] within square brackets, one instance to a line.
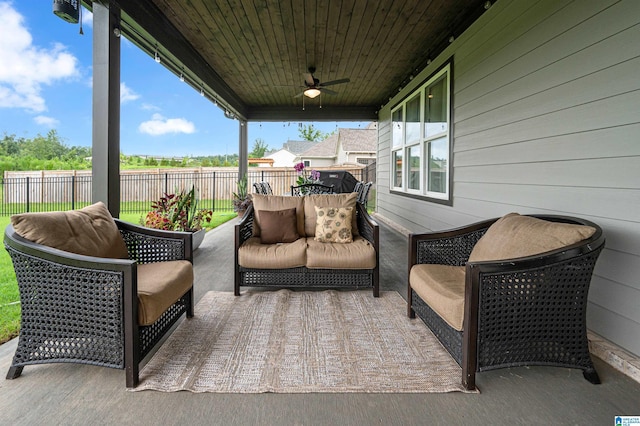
[304, 177]
[241, 198]
[177, 212]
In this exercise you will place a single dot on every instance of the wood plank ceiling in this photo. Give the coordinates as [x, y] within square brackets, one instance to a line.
[254, 54]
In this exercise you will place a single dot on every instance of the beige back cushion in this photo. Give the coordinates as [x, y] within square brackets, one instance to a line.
[275, 203]
[90, 231]
[518, 236]
[328, 200]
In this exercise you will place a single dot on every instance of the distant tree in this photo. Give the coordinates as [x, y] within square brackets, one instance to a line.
[44, 147]
[41, 153]
[9, 145]
[310, 133]
[259, 148]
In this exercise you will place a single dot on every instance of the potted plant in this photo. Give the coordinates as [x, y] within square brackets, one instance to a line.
[241, 198]
[179, 212]
[304, 177]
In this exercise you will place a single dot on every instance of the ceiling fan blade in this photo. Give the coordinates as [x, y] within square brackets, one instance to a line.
[331, 83]
[327, 91]
[299, 94]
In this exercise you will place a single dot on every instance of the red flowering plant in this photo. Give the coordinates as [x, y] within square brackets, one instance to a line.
[177, 212]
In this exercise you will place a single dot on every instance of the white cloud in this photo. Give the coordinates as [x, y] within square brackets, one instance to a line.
[43, 120]
[150, 107]
[126, 94]
[24, 68]
[159, 125]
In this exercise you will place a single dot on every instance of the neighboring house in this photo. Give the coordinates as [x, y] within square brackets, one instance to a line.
[288, 154]
[533, 109]
[343, 147]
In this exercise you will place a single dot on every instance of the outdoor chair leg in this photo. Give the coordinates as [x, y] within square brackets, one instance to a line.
[592, 375]
[410, 312]
[14, 372]
[190, 304]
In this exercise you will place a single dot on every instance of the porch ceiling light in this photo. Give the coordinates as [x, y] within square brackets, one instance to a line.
[312, 92]
[68, 10]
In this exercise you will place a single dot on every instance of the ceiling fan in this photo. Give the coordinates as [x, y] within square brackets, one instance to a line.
[314, 88]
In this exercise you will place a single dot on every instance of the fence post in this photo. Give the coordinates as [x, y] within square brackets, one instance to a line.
[213, 191]
[28, 193]
[166, 183]
[73, 192]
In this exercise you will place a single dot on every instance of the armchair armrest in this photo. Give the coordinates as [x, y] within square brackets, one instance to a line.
[451, 247]
[367, 227]
[146, 245]
[244, 228]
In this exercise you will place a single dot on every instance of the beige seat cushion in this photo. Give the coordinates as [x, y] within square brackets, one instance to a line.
[160, 285]
[358, 254]
[275, 203]
[90, 231]
[442, 288]
[518, 236]
[327, 200]
[253, 254]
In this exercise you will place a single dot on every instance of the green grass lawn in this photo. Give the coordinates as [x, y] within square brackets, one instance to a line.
[9, 296]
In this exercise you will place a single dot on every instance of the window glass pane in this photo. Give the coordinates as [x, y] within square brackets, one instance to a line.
[435, 108]
[397, 160]
[413, 155]
[398, 124]
[438, 165]
[413, 121]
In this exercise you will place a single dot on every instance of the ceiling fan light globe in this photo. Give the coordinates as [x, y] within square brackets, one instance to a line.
[312, 93]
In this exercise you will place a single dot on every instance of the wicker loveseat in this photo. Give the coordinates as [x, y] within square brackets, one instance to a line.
[95, 290]
[507, 292]
[271, 250]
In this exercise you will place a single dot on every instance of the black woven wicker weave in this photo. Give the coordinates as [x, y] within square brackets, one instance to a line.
[527, 311]
[83, 309]
[304, 277]
[311, 188]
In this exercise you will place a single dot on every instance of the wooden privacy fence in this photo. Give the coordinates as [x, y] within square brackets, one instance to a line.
[68, 190]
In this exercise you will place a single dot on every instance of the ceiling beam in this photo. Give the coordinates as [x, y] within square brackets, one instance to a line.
[313, 113]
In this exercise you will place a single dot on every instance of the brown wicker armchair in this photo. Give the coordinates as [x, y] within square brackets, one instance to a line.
[528, 310]
[84, 309]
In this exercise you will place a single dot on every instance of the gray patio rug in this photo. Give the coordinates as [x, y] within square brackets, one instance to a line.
[301, 342]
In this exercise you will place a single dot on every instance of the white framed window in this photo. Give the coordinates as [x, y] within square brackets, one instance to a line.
[421, 140]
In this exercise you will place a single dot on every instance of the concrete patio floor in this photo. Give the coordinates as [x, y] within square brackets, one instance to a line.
[73, 394]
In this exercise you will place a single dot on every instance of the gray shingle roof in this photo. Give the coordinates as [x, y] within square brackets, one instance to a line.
[325, 148]
[358, 140]
[298, 147]
[352, 140]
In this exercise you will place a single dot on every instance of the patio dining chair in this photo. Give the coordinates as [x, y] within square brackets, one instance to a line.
[358, 188]
[263, 188]
[363, 193]
[257, 188]
[311, 188]
[266, 188]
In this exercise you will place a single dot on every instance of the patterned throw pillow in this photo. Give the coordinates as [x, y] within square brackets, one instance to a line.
[333, 224]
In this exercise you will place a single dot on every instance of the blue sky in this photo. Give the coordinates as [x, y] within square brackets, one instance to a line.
[45, 83]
